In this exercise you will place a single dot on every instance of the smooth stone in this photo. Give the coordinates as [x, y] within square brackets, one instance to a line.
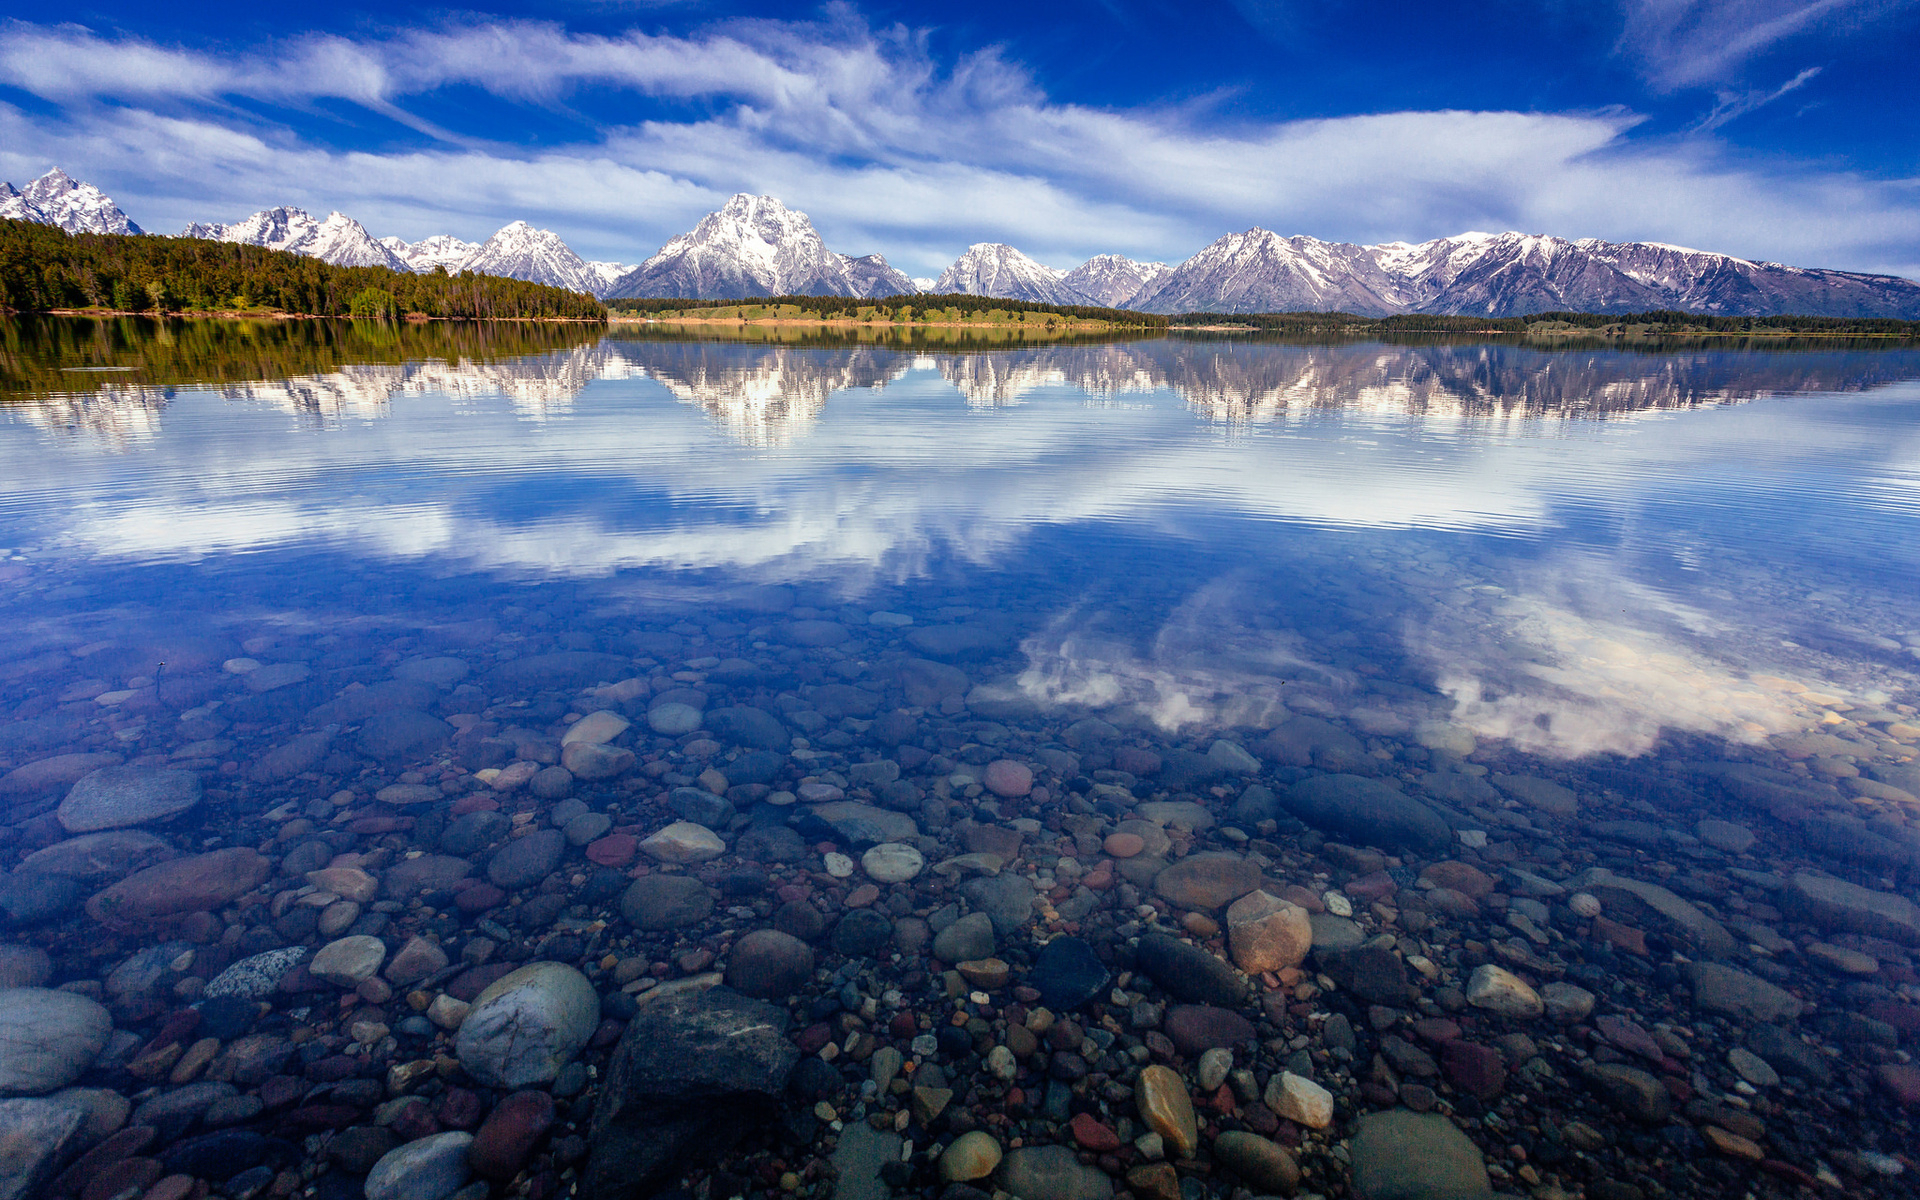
[350, 961]
[1724, 836]
[862, 933]
[1722, 989]
[859, 1159]
[863, 824]
[1373, 973]
[973, 1155]
[48, 1038]
[1300, 1100]
[586, 828]
[24, 966]
[750, 727]
[1566, 1003]
[1266, 933]
[53, 774]
[1369, 812]
[401, 733]
[527, 1025]
[96, 856]
[1631, 1090]
[1752, 1068]
[526, 861]
[430, 872]
[201, 883]
[1628, 899]
[592, 761]
[1051, 1173]
[1067, 973]
[1166, 1108]
[432, 1168]
[684, 842]
[968, 938]
[1007, 900]
[415, 961]
[596, 728]
[1190, 973]
[1004, 777]
[1206, 881]
[1261, 1162]
[439, 671]
[892, 862]
[1196, 1028]
[674, 720]
[1543, 794]
[1500, 991]
[37, 1136]
[1836, 906]
[1404, 1155]
[506, 1139]
[767, 964]
[660, 902]
[118, 797]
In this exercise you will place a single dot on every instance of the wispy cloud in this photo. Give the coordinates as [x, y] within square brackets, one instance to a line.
[1681, 44]
[1732, 105]
[887, 145]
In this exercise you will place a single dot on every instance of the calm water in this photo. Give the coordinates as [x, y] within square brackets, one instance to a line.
[1565, 551]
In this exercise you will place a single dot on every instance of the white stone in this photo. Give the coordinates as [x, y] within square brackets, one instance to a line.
[1213, 1068]
[684, 842]
[1501, 991]
[1230, 757]
[1584, 904]
[596, 728]
[1337, 903]
[350, 961]
[892, 862]
[673, 719]
[432, 1168]
[838, 865]
[48, 1039]
[889, 620]
[1300, 1100]
[447, 1011]
[527, 1025]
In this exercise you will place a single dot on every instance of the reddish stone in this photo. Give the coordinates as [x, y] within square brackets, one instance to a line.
[505, 1141]
[1262, 1120]
[1197, 1028]
[1100, 879]
[1135, 761]
[1092, 1135]
[814, 1038]
[1465, 878]
[1900, 1081]
[1377, 886]
[1293, 893]
[184, 885]
[173, 1187]
[323, 1116]
[475, 802]
[614, 850]
[124, 1144]
[1903, 1017]
[298, 979]
[792, 893]
[903, 1025]
[414, 1120]
[278, 1091]
[127, 1176]
[1436, 1029]
[1678, 1088]
[1477, 1070]
[1222, 1101]
[474, 980]
[1789, 1172]
[608, 1033]
[1628, 1036]
[863, 896]
[176, 1028]
[458, 1108]
[1620, 937]
[479, 898]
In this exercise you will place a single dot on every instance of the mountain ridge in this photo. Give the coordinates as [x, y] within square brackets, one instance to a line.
[756, 246]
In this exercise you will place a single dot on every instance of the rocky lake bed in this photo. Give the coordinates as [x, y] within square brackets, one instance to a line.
[781, 897]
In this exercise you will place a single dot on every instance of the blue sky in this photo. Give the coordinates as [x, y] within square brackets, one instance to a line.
[1779, 129]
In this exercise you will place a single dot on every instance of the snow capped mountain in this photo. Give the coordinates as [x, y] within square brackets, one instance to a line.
[440, 250]
[607, 273]
[339, 239]
[519, 251]
[923, 283]
[757, 246]
[55, 199]
[1510, 274]
[1000, 271]
[1116, 281]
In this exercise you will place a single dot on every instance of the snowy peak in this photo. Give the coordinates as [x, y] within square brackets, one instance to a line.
[441, 250]
[757, 246]
[1116, 281]
[339, 240]
[1000, 271]
[519, 251]
[55, 199]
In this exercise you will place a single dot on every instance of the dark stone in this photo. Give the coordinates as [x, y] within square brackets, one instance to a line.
[800, 919]
[1372, 973]
[691, 1074]
[226, 1017]
[815, 1079]
[565, 669]
[403, 733]
[1368, 812]
[755, 767]
[1190, 973]
[1068, 974]
[218, 1156]
[745, 726]
[470, 833]
[1789, 1055]
[30, 899]
[659, 902]
[506, 1139]
[1198, 1028]
[526, 861]
[862, 933]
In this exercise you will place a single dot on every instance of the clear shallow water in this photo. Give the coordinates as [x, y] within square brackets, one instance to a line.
[1577, 603]
[1567, 551]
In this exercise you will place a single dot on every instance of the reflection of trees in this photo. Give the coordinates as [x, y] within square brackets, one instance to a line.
[761, 395]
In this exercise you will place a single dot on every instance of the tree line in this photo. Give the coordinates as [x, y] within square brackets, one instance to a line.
[44, 268]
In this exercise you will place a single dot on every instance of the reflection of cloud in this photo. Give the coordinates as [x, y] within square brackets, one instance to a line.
[1210, 663]
[1590, 663]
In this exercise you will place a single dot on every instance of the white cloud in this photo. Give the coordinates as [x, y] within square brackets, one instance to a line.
[889, 148]
[1690, 43]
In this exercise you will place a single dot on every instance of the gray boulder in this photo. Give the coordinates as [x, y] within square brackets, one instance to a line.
[1368, 812]
[48, 1039]
[121, 797]
[527, 1025]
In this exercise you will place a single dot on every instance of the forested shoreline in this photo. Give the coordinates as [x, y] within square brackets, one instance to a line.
[45, 269]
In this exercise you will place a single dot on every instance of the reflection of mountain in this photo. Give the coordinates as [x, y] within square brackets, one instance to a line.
[1253, 382]
[761, 395]
[115, 414]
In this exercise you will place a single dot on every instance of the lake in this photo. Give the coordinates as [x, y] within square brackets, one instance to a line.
[368, 691]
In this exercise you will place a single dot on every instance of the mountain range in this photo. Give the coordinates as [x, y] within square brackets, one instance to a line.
[756, 246]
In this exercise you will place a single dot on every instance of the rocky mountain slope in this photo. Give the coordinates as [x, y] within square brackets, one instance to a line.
[55, 199]
[1115, 280]
[440, 250]
[339, 239]
[998, 270]
[1510, 274]
[757, 246]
